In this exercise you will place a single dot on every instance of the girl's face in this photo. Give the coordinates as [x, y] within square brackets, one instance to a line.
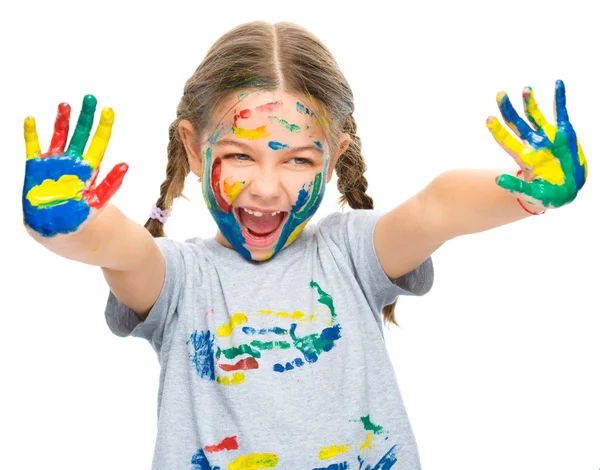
[264, 166]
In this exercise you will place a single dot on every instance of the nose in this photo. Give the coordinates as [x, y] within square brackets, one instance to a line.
[266, 184]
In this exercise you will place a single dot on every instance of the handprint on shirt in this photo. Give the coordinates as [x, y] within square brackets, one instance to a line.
[550, 156]
[60, 189]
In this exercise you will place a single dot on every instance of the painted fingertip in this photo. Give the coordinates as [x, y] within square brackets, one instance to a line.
[559, 84]
[64, 109]
[501, 96]
[489, 122]
[107, 116]
[527, 92]
[29, 123]
[89, 102]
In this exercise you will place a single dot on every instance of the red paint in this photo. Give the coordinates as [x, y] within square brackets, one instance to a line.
[61, 131]
[269, 106]
[229, 443]
[215, 182]
[243, 364]
[98, 196]
[244, 114]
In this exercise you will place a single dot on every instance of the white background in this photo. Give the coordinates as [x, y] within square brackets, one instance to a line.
[498, 365]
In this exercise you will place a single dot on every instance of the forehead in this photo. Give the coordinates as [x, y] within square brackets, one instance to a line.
[281, 112]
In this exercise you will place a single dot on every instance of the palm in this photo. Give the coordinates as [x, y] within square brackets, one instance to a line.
[550, 156]
[59, 192]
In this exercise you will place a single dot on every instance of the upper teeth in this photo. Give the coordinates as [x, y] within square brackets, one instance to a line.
[259, 214]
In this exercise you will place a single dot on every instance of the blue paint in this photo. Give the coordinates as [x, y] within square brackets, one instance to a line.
[294, 364]
[264, 331]
[387, 461]
[303, 109]
[277, 145]
[536, 139]
[62, 218]
[203, 354]
[200, 461]
[335, 466]
[318, 144]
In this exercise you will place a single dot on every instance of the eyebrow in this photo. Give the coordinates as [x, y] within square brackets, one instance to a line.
[249, 148]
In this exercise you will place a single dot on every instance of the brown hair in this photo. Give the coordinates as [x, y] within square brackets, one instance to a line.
[260, 55]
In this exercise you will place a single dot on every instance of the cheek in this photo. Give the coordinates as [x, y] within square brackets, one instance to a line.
[299, 185]
[232, 180]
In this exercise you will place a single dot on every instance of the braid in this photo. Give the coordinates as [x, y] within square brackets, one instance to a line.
[352, 184]
[177, 169]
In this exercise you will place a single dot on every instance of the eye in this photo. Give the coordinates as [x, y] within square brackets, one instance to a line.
[238, 157]
[301, 161]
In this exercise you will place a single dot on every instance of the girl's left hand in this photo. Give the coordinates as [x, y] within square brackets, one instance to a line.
[551, 159]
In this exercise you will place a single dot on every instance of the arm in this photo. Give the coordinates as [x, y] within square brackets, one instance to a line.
[69, 214]
[460, 202]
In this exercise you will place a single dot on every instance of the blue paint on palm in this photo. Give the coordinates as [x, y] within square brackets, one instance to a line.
[64, 216]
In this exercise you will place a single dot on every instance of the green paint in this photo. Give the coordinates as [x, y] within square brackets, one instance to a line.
[242, 94]
[268, 345]
[370, 426]
[314, 195]
[238, 351]
[84, 127]
[324, 298]
[284, 123]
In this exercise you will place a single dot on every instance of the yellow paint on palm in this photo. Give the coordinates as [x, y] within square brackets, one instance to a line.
[53, 193]
[296, 233]
[332, 451]
[101, 138]
[32, 143]
[368, 444]
[541, 162]
[236, 319]
[235, 379]
[233, 190]
[254, 462]
[251, 134]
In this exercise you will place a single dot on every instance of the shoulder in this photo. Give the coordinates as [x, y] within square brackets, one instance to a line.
[353, 220]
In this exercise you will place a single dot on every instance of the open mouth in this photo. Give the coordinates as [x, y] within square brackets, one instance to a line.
[261, 229]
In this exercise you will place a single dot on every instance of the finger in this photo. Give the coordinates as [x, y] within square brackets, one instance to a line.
[100, 195]
[515, 122]
[101, 138]
[506, 140]
[83, 128]
[560, 103]
[32, 143]
[533, 189]
[533, 113]
[61, 131]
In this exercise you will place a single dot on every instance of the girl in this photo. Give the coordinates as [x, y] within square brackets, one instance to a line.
[269, 336]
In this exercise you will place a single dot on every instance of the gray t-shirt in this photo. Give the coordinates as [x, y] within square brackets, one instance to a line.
[278, 364]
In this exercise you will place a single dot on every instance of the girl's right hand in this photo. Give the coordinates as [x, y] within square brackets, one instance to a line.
[60, 192]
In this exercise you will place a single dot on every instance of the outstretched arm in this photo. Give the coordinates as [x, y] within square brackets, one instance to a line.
[552, 171]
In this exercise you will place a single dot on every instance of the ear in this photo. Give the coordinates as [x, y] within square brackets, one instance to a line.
[192, 147]
[343, 146]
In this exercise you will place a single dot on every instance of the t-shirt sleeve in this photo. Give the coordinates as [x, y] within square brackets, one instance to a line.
[352, 235]
[123, 321]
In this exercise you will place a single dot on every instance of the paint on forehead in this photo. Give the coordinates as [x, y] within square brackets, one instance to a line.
[244, 114]
[318, 144]
[216, 134]
[284, 123]
[251, 134]
[242, 95]
[269, 107]
[303, 109]
[277, 145]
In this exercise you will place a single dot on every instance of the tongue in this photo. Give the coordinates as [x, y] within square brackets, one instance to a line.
[262, 225]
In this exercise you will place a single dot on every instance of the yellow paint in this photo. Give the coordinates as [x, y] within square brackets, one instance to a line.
[254, 462]
[541, 162]
[332, 451]
[251, 134]
[236, 319]
[32, 143]
[94, 249]
[533, 110]
[296, 233]
[282, 314]
[263, 311]
[52, 193]
[368, 444]
[582, 160]
[100, 140]
[236, 379]
[233, 190]
[297, 315]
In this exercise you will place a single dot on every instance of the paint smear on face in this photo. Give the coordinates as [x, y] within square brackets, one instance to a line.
[216, 188]
[284, 123]
[269, 107]
[232, 191]
[303, 109]
[318, 144]
[254, 462]
[229, 443]
[244, 114]
[277, 145]
[333, 451]
[251, 134]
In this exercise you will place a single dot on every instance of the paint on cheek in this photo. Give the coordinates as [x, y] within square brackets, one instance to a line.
[216, 187]
[232, 190]
[303, 109]
[251, 134]
[316, 186]
[277, 145]
[284, 123]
